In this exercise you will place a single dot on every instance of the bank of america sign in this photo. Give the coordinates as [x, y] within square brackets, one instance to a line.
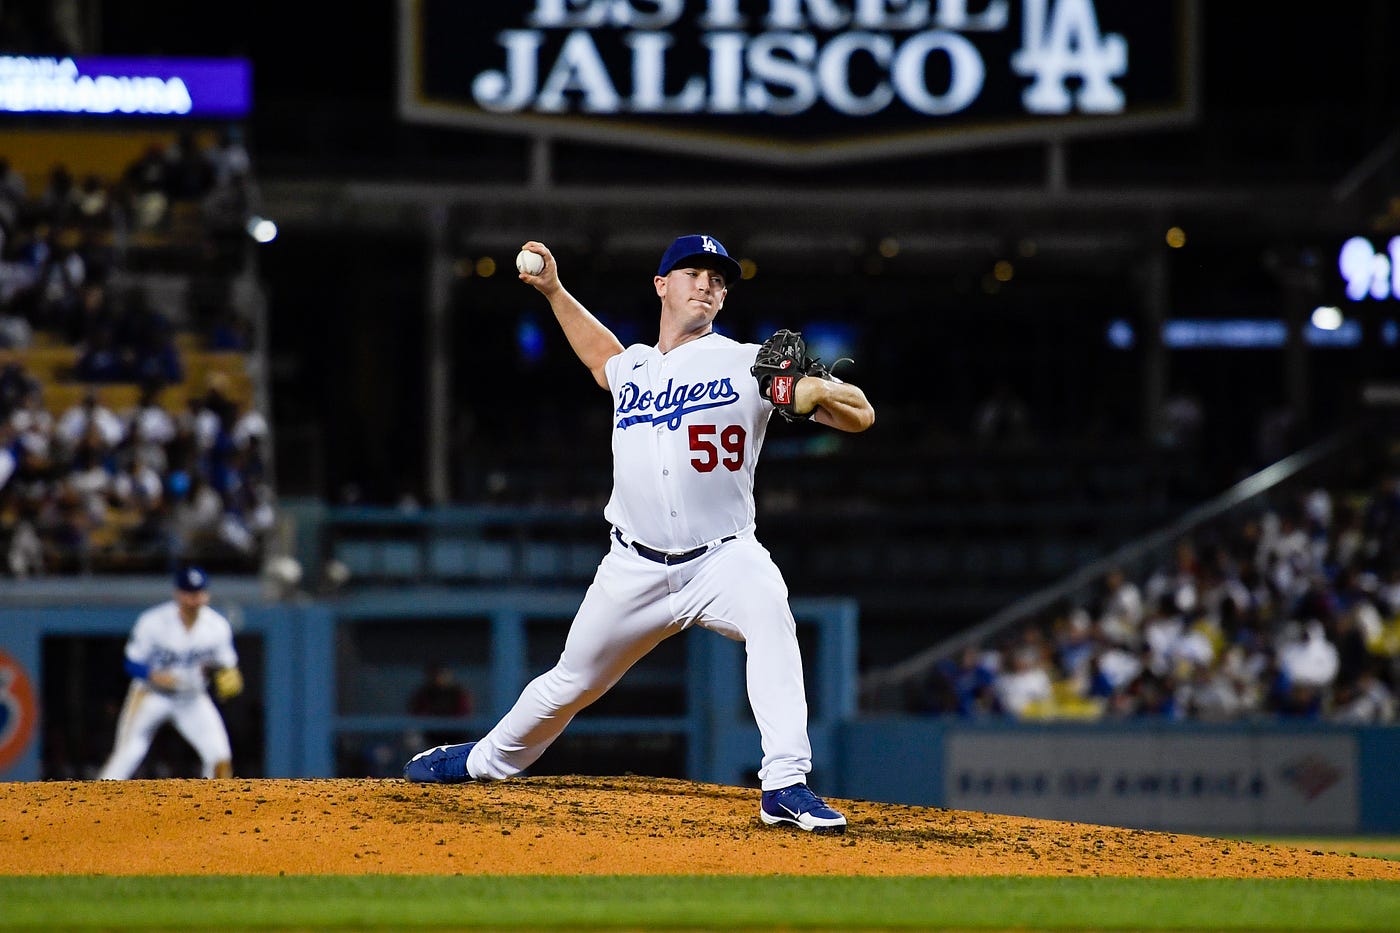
[814, 81]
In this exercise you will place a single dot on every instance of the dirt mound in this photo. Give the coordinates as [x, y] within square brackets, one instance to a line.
[573, 825]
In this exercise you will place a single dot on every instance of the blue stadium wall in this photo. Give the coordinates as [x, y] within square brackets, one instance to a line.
[1255, 777]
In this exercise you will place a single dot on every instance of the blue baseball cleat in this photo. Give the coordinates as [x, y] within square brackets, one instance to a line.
[802, 808]
[446, 764]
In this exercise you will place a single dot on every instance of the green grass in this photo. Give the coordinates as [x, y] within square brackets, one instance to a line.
[393, 902]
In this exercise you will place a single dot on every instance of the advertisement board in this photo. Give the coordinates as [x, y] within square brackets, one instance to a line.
[799, 80]
[108, 86]
[1364, 271]
[1272, 782]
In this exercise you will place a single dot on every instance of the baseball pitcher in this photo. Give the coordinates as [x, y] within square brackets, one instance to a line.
[689, 417]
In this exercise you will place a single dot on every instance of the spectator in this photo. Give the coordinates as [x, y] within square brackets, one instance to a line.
[1120, 619]
[94, 313]
[145, 180]
[964, 685]
[25, 555]
[149, 420]
[1025, 688]
[57, 289]
[89, 420]
[1212, 695]
[249, 427]
[13, 188]
[100, 360]
[231, 332]
[1174, 589]
[34, 423]
[58, 204]
[1365, 700]
[1307, 658]
[1305, 668]
[11, 211]
[188, 174]
[198, 426]
[90, 483]
[228, 207]
[1075, 647]
[198, 513]
[155, 357]
[1149, 695]
[15, 383]
[1114, 668]
[15, 330]
[440, 694]
[94, 203]
[98, 247]
[228, 157]
[9, 459]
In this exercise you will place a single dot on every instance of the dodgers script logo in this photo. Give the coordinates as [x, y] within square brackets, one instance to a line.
[18, 710]
[672, 403]
[202, 657]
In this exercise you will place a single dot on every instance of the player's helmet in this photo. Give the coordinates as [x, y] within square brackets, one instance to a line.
[191, 579]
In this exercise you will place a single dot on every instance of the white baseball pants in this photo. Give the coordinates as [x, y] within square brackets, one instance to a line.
[194, 715]
[633, 604]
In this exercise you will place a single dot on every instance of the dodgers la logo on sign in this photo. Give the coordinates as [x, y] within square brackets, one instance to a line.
[19, 710]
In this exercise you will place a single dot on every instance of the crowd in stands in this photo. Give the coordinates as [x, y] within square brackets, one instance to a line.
[115, 452]
[1293, 612]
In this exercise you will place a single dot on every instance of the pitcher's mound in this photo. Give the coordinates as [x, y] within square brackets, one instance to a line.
[573, 825]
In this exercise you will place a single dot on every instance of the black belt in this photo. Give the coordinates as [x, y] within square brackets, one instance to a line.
[668, 557]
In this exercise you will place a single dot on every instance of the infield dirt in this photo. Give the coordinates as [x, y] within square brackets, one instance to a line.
[575, 825]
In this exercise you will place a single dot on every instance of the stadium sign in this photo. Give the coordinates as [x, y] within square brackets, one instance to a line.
[104, 86]
[19, 710]
[805, 80]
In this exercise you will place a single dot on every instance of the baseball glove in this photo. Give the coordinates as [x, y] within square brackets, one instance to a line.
[782, 360]
[228, 682]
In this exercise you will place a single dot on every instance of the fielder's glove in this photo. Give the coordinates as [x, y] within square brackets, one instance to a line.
[781, 361]
[228, 682]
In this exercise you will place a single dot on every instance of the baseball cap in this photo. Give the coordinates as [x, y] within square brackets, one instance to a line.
[191, 579]
[701, 252]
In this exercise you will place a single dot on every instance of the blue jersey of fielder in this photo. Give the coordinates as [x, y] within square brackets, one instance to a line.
[688, 426]
[160, 642]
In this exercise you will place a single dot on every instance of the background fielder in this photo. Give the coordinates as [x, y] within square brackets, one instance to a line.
[172, 650]
[690, 415]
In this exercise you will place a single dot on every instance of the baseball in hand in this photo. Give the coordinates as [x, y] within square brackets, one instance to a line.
[529, 263]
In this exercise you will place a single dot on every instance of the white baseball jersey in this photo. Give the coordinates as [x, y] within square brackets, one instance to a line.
[687, 429]
[688, 426]
[161, 642]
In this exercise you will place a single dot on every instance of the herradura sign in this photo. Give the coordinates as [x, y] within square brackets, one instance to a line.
[806, 81]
